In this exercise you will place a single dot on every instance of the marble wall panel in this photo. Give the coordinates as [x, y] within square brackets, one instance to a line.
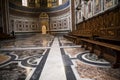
[60, 23]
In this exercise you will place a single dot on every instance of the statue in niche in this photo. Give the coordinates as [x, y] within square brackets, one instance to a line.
[97, 6]
[44, 29]
[108, 3]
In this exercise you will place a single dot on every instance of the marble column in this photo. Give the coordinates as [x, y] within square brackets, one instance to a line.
[72, 11]
[0, 18]
[5, 15]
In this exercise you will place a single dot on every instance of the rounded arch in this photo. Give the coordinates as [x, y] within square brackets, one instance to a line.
[44, 21]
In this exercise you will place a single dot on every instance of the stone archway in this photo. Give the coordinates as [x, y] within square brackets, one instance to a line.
[44, 22]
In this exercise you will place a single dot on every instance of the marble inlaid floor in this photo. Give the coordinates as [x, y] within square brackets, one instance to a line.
[47, 57]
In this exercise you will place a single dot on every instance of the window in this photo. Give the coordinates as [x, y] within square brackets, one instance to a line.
[60, 2]
[24, 2]
[53, 3]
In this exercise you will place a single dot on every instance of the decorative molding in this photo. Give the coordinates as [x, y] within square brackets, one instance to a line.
[60, 22]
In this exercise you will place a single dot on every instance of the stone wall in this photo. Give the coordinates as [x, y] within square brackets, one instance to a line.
[26, 24]
[60, 23]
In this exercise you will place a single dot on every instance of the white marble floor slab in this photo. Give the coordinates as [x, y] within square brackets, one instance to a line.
[54, 67]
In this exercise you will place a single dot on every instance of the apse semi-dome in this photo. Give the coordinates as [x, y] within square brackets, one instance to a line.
[17, 5]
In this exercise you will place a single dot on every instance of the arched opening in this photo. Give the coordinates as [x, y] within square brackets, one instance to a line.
[44, 22]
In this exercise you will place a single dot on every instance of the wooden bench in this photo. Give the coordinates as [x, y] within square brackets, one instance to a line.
[110, 40]
[71, 38]
[114, 57]
[78, 37]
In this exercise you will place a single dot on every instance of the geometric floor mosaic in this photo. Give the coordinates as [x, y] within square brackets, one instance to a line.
[93, 59]
[24, 58]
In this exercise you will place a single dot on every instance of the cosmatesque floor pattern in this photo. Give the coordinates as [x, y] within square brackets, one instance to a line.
[48, 57]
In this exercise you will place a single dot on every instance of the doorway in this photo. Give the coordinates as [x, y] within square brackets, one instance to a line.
[44, 31]
[44, 22]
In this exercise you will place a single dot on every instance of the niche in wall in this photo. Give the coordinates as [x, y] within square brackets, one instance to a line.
[44, 20]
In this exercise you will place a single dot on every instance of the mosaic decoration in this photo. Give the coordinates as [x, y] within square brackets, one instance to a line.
[4, 58]
[22, 62]
[89, 66]
[18, 73]
[87, 71]
[60, 23]
[93, 59]
[21, 24]
[73, 51]
[22, 54]
[28, 63]
[19, 63]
